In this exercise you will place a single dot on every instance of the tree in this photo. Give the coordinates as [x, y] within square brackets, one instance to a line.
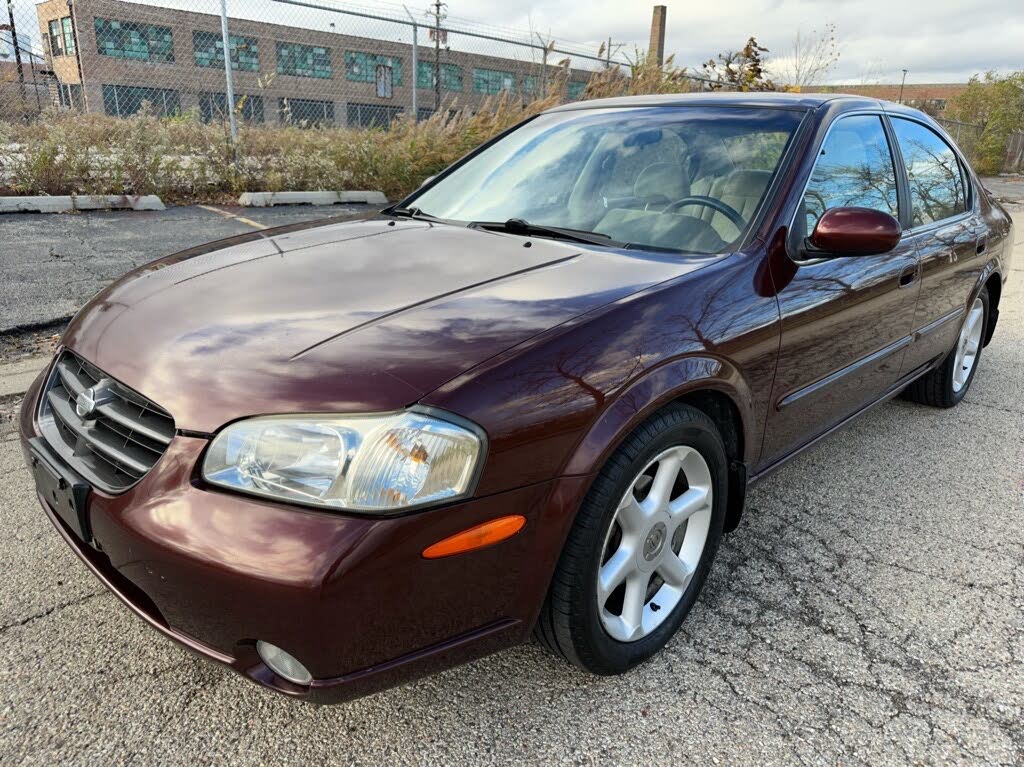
[811, 58]
[994, 103]
[739, 70]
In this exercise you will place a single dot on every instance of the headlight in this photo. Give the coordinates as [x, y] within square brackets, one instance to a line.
[362, 463]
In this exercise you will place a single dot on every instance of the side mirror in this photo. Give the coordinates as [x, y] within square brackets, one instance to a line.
[856, 232]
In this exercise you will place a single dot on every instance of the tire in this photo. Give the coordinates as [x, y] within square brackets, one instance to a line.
[941, 387]
[575, 621]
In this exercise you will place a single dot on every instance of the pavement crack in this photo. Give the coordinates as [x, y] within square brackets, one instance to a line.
[51, 610]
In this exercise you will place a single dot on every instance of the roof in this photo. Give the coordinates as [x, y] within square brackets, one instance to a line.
[720, 98]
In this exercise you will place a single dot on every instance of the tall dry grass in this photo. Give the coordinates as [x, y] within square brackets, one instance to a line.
[183, 160]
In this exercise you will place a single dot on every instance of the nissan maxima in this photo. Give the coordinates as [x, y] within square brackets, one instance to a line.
[527, 399]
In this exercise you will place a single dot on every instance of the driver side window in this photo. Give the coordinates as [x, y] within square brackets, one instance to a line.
[855, 169]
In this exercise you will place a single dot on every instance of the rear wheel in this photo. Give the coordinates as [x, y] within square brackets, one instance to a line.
[641, 547]
[948, 384]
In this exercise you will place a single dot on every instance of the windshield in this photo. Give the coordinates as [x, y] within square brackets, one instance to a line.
[677, 178]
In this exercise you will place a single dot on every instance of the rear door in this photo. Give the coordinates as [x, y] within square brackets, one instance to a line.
[846, 321]
[949, 236]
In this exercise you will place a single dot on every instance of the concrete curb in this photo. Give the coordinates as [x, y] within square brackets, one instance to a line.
[68, 203]
[16, 377]
[270, 199]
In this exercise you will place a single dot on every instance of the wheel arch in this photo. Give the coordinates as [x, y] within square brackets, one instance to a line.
[712, 385]
[994, 284]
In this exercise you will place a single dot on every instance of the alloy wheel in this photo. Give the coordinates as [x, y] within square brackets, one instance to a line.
[654, 543]
[968, 345]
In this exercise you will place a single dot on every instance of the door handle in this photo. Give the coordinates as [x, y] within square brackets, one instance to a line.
[982, 244]
[908, 275]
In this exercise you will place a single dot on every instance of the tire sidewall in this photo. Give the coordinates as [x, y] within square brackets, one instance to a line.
[611, 654]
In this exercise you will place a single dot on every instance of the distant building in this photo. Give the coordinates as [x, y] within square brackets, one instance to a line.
[932, 98]
[129, 54]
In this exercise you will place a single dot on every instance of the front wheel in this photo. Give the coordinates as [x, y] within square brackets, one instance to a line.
[948, 384]
[641, 546]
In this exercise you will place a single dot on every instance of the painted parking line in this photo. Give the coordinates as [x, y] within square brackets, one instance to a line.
[227, 214]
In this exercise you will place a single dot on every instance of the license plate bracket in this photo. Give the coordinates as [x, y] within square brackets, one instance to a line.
[63, 490]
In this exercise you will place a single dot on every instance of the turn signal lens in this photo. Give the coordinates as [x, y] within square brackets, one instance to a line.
[477, 537]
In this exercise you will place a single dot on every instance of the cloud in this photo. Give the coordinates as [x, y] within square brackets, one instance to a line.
[937, 41]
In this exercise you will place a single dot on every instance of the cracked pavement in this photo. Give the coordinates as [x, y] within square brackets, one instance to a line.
[868, 611]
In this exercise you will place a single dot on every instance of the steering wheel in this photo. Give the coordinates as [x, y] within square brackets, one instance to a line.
[709, 202]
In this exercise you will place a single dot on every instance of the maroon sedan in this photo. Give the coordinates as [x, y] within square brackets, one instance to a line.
[528, 398]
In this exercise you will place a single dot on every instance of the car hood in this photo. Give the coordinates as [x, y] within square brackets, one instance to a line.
[363, 316]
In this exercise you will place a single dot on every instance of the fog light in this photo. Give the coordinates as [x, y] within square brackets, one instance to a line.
[283, 664]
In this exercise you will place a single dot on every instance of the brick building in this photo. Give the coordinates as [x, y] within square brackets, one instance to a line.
[112, 56]
[932, 98]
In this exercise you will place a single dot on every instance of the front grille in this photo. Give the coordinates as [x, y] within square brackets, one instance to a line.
[115, 444]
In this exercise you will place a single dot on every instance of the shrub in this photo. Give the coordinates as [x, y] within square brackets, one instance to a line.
[183, 160]
[995, 103]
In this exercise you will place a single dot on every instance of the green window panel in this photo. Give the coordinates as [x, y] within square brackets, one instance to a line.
[304, 60]
[451, 76]
[362, 67]
[208, 48]
[68, 31]
[131, 40]
[492, 81]
[576, 89]
[531, 86]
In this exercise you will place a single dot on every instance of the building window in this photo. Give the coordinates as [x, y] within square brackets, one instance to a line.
[131, 40]
[62, 37]
[362, 67]
[126, 100]
[70, 96]
[531, 86]
[576, 89]
[491, 81]
[371, 115]
[208, 48]
[56, 37]
[213, 107]
[304, 60]
[306, 112]
[451, 76]
[68, 32]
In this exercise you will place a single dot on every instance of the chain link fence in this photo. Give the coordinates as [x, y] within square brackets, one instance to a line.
[306, 62]
[966, 135]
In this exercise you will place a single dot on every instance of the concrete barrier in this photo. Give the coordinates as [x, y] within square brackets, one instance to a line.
[68, 203]
[270, 199]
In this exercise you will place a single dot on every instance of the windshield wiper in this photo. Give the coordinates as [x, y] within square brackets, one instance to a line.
[521, 226]
[411, 212]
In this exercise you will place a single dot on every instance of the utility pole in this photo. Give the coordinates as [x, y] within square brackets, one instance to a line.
[17, 47]
[438, 6]
[902, 83]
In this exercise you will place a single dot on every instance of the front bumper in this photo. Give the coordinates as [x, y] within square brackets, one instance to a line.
[351, 597]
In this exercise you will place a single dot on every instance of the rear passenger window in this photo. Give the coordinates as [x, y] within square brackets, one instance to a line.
[936, 184]
[855, 169]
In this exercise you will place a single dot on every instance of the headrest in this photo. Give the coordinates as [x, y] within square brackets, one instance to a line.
[662, 179]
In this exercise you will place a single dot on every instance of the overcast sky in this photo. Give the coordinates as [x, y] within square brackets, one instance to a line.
[936, 40]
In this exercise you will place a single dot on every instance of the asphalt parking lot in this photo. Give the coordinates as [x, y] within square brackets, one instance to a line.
[869, 610]
[52, 263]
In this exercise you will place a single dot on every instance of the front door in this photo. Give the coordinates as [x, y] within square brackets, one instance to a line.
[846, 321]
